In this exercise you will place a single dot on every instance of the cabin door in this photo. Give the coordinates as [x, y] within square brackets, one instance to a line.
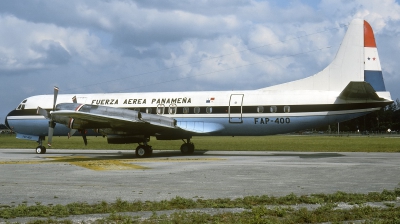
[235, 108]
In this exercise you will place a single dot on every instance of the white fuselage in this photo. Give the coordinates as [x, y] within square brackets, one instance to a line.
[229, 113]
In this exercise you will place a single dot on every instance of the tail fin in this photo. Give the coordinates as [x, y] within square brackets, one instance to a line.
[372, 68]
[356, 60]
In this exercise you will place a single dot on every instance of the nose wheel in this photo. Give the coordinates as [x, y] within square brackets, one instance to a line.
[40, 149]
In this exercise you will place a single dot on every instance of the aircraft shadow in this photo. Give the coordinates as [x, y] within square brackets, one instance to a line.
[97, 154]
[306, 155]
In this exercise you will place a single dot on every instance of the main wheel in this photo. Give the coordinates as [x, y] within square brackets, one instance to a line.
[141, 151]
[191, 148]
[187, 148]
[149, 151]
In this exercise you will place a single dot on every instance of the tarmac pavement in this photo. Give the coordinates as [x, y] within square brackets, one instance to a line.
[66, 176]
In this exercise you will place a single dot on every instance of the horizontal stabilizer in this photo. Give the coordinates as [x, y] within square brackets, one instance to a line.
[359, 91]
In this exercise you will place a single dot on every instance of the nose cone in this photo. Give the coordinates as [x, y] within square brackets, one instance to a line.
[6, 121]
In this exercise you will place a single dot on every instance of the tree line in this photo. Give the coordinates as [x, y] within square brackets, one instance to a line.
[387, 118]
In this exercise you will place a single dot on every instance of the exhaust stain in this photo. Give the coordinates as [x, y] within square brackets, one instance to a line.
[105, 164]
[98, 164]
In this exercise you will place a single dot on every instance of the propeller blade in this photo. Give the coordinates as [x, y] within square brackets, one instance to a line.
[71, 133]
[74, 99]
[83, 132]
[43, 112]
[50, 138]
[84, 139]
[52, 124]
[55, 97]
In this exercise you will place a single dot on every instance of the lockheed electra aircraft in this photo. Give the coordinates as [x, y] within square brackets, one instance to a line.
[351, 86]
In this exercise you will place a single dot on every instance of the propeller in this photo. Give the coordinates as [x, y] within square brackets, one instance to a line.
[72, 131]
[52, 123]
[83, 133]
[43, 112]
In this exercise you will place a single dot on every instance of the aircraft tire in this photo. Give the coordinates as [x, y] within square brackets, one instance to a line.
[191, 148]
[141, 151]
[149, 151]
[40, 150]
[187, 148]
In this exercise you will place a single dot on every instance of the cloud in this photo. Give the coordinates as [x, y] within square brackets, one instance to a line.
[31, 46]
[51, 53]
[134, 46]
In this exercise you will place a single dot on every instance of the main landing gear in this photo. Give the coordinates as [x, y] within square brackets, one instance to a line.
[40, 149]
[144, 150]
[187, 148]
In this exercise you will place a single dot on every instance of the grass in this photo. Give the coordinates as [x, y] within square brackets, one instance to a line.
[308, 143]
[259, 209]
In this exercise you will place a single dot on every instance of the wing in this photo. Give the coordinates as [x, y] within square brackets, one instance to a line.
[125, 121]
[78, 116]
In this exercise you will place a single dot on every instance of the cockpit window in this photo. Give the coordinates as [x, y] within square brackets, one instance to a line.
[21, 106]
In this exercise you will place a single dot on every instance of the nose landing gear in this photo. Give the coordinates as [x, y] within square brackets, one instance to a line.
[40, 149]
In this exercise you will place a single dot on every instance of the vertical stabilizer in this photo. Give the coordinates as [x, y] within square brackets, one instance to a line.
[356, 60]
[372, 70]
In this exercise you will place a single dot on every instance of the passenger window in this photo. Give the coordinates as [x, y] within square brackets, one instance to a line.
[172, 109]
[286, 109]
[186, 110]
[260, 109]
[209, 110]
[160, 109]
[197, 110]
[273, 109]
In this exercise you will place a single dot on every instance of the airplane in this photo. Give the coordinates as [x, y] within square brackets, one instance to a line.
[350, 86]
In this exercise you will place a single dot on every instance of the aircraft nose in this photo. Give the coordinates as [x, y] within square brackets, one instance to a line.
[6, 122]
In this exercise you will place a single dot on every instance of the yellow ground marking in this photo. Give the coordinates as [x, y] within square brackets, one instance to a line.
[21, 162]
[105, 163]
[175, 159]
[97, 164]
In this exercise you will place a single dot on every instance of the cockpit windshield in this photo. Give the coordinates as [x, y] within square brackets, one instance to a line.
[21, 106]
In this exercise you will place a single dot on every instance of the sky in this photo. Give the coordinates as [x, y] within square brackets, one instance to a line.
[101, 46]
